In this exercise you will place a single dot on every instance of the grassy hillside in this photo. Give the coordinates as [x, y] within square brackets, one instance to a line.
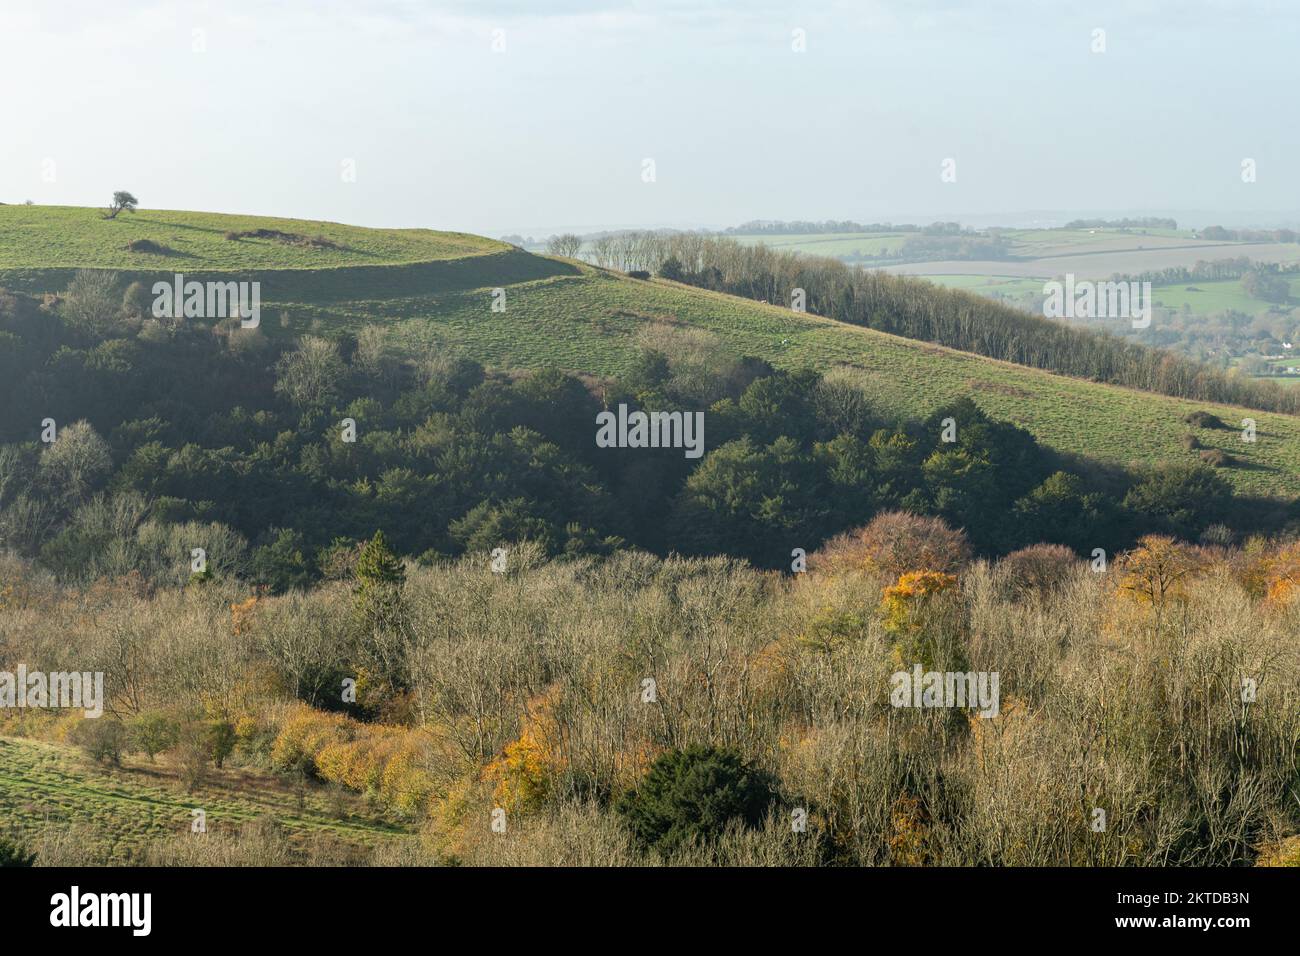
[589, 322]
[45, 784]
[586, 320]
[43, 237]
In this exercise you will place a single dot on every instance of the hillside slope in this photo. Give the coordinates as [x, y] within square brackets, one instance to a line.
[584, 319]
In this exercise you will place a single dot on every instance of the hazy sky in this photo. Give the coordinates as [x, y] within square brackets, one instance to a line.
[257, 111]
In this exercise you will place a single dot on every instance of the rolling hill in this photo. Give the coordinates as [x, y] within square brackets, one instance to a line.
[435, 290]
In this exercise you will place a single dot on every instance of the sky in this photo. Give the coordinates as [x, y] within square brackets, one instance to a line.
[536, 116]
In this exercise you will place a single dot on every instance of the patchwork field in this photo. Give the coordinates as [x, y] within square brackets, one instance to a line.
[1040, 253]
[1102, 264]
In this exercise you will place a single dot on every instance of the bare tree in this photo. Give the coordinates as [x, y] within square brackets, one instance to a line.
[91, 302]
[567, 245]
[309, 376]
[77, 459]
[603, 249]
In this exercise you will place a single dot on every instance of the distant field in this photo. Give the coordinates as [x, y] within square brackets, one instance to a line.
[1050, 242]
[1104, 264]
[1206, 297]
[1042, 253]
[830, 244]
[1005, 285]
[127, 807]
[584, 319]
[1201, 297]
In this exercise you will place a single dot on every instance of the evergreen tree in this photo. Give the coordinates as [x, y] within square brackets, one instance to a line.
[380, 577]
[692, 794]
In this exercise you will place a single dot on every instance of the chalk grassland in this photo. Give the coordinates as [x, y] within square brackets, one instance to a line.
[45, 237]
[585, 320]
[120, 811]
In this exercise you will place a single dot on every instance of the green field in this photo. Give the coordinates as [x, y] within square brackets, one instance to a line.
[586, 320]
[1201, 297]
[128, 807]
[1209, 297]
[1032, 242]
[990, 285]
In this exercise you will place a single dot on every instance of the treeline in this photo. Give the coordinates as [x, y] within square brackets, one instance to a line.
[802, 227]
[1144, 222]
[1268, 285]
[969, 246]
[1207, 271]
[1220, 234]
[917, 309]
[276, 459]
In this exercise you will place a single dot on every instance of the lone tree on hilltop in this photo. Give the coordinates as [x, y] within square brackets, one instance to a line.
[121, 200]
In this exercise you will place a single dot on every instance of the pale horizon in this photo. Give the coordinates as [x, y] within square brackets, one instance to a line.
[245, 109]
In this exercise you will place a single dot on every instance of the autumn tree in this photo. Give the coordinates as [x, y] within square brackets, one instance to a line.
[1157, 570]
[894, 543]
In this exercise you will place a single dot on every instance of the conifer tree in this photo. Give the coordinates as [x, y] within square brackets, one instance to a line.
[380, 577]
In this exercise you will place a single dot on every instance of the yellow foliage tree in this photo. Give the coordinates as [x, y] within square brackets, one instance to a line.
[900, 602]
[524, 772]
[1158, 569]
[1281, 572]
